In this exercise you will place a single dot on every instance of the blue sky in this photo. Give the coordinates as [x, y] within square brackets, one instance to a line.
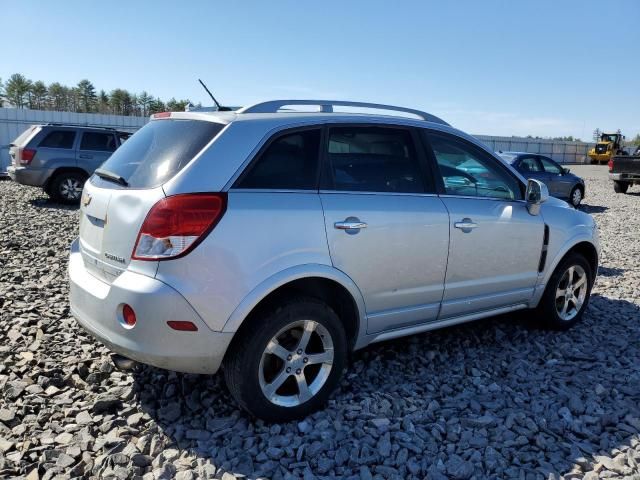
[488, 67]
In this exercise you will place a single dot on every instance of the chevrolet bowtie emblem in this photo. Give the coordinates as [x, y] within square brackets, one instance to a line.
[86, 199]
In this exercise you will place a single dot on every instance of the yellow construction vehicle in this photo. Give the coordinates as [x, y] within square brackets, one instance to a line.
[610, 144]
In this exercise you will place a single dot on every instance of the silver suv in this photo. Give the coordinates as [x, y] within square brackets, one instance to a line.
[60, 157]
[272, 243]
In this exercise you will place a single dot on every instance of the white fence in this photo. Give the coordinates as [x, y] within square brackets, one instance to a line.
[14, 121]
[561, 152]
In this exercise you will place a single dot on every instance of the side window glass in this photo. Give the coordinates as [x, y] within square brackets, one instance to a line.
[468, 171]
[374, 159]
[59, 139]
[529, 164]
[289, 163]
[550, 167]
[105, 142]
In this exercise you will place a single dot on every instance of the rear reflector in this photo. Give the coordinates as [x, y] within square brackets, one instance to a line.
[26, 155]
[129, 316]
[182, 325]
[175, 225]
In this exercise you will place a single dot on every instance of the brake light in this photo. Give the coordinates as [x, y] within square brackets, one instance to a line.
[162, 115]
[610, 164]
[175, 225]
[26, 155]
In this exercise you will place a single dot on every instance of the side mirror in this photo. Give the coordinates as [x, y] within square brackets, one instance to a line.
[565, 171]
[537, 193]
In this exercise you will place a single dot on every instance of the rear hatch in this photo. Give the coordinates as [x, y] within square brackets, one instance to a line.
[120, 194]
[21, 142]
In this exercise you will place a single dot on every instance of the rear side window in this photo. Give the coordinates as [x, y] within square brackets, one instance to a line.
[159, 150]
[374, 159]
[59, 139]
[290, 162]
[105, 142]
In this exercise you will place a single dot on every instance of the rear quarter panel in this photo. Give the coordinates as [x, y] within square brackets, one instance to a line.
[260, 235]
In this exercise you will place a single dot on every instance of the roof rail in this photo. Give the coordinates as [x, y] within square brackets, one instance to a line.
[88, 125]
[326, 106]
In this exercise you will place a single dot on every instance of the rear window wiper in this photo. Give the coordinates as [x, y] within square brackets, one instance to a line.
[114, 177]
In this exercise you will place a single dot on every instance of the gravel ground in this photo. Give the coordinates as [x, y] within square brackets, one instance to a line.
[498, 398]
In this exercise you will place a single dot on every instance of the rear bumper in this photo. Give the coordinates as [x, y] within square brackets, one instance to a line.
[625, 177]
[97, 306]
[36, 177]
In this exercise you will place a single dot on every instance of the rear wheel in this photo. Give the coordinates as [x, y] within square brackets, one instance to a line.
[620, 187]
[285, 364]
[567, 294]
[67, 187]
[576, 196]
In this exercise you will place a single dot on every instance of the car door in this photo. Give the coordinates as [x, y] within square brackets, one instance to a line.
[558, 183]
[95, 148]
[386, 228]
[495, 244]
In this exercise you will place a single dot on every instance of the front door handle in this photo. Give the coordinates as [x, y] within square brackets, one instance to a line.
[466, 225]
[86, 156]
[351, 223]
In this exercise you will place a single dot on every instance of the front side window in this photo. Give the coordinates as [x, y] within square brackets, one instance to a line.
[59, 139]
[468, 171]
[290, 162]
[105, 142]
[529, 164]
[373, 159]
[551, 167]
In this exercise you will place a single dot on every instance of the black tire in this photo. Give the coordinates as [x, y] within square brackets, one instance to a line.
[620, 187]
[571, 196]
[547, 309]
[242, 363]
[62, 187]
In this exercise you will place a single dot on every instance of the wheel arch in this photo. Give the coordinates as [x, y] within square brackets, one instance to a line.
[60, 170]
[319, 281]
[583, 246]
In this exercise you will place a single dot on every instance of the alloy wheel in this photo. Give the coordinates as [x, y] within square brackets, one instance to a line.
[70, 189]
[571, 292]
[296, 363]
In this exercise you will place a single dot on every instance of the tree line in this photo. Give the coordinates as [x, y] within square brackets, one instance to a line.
[21, 92]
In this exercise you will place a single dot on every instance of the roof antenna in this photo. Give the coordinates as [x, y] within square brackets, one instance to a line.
[220, 107]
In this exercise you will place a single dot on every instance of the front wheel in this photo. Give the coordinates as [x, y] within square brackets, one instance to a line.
[567, 294]
[620, 187]
[285, 364]
[576, 196]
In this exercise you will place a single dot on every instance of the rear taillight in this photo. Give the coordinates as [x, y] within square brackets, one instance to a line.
[26, 155]
[175, 225]
[610, 165]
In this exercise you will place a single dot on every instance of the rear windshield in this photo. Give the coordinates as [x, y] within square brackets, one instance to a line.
[22, 138]
[159, 150]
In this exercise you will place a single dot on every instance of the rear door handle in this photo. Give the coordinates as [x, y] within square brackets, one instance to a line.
[86, 156]
[466, 225]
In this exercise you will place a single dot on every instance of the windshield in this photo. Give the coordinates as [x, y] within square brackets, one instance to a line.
[508, 157]
[159, 150]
